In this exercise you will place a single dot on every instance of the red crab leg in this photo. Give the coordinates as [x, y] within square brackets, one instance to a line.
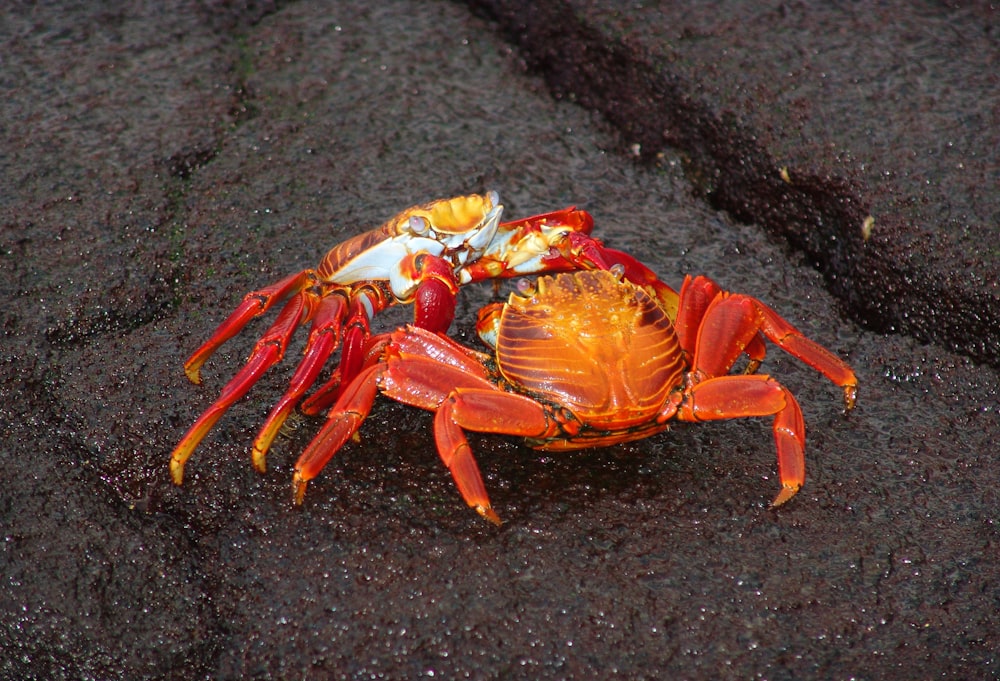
[412, 341]
[729, 397]
[363, 305]
[346, 417]
[732, 320]
[268, 350]
[434, 304]
[323, 340]
[408, 375]
[412, 381]
[330, 391]
[579, 220]
[525, 246]
[433, 309]
[254, 304]
[356, 332]
[485, 411]
[326, 395]
[697, 293]
[435, 373]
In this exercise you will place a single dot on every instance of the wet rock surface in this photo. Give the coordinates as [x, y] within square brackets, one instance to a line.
[866, 139]
[161, 162]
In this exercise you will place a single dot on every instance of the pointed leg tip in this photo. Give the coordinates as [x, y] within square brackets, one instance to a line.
[177, 472]
[785, 495]
[193, 374]
[259, 458]
[488, 513]
[298, 488]
[850, 397]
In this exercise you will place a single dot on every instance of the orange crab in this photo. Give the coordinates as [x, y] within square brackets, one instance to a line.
[421, 257]
[581, 360]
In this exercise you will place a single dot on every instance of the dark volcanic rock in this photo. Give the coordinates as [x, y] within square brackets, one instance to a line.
[866, 139]
[162, 160]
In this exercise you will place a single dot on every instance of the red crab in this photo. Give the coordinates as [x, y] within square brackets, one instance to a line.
[421, 256]
[582, 360]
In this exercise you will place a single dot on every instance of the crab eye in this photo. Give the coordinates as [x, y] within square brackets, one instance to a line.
[525, 287]
[419, 226]
[618, 271]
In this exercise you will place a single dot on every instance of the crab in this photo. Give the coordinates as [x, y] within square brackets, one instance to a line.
[585, 359]
[420, 257]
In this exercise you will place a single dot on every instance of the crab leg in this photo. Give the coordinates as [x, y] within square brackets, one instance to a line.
[323, 340]
[455, 452]
[433, 310]
[268, 350]
[254, 304]
[727, 397]
[560, 241]
[412, 381]
[352, 354]
[739, 319]
[423, 370]
[484, 411]
[346, 417]
[697, 293]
